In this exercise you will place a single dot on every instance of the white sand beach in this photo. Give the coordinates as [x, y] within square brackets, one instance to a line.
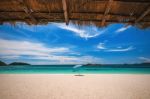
[57, 86]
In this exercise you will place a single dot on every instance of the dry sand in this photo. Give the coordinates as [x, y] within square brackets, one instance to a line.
[96, 86]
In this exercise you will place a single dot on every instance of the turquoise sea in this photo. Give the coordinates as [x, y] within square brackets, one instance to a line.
[68, 69]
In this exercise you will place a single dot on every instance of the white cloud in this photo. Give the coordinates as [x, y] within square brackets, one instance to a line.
[22, 50]
[123, 29]
[11, 47]
[84, 31]
[145, 59]
[121, 49]
[101, 46]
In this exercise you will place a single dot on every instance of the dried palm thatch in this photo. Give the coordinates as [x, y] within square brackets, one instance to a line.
[81, 12]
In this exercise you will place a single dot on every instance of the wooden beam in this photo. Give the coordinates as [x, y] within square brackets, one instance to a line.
[64, 4]
[56, 15]
[72, 13]
[108, 7]
[142, 15]
[61, 13]
[27, 10]
[72, 19]
[27, 19]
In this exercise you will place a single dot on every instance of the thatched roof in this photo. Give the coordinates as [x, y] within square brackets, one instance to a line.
[98, 12]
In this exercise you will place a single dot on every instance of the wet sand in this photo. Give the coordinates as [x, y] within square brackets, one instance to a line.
[57, 86]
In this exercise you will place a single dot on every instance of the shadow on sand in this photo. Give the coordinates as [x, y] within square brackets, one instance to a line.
[78, 75]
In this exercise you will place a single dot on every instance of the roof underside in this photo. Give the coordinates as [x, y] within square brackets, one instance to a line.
[81, 12]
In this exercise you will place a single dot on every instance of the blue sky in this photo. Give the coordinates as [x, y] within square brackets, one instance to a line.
[56, 43]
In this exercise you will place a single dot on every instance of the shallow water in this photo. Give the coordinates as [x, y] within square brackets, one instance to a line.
[68, 69]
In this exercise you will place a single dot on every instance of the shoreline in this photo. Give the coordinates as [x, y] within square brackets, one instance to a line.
[80, 73]
[73, 74]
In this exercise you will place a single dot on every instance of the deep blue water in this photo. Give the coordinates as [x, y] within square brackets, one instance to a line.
[68, 69]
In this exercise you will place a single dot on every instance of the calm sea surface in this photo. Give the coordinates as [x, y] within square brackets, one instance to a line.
[68, 69]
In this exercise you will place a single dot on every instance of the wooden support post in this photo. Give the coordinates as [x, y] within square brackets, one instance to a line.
[108, 7]
[143, 15]
[65, 11]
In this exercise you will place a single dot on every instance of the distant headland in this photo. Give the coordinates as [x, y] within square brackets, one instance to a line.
[19, 63]
[13, 63]
[136, 65]
[2, 63]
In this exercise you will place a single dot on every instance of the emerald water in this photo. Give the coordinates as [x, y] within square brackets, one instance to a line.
[68, 69]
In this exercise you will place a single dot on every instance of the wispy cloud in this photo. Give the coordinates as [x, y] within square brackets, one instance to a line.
[121, 49]
[12, 49]
[145, 59]
[124, 28]
[102, 46]
[83, 31]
